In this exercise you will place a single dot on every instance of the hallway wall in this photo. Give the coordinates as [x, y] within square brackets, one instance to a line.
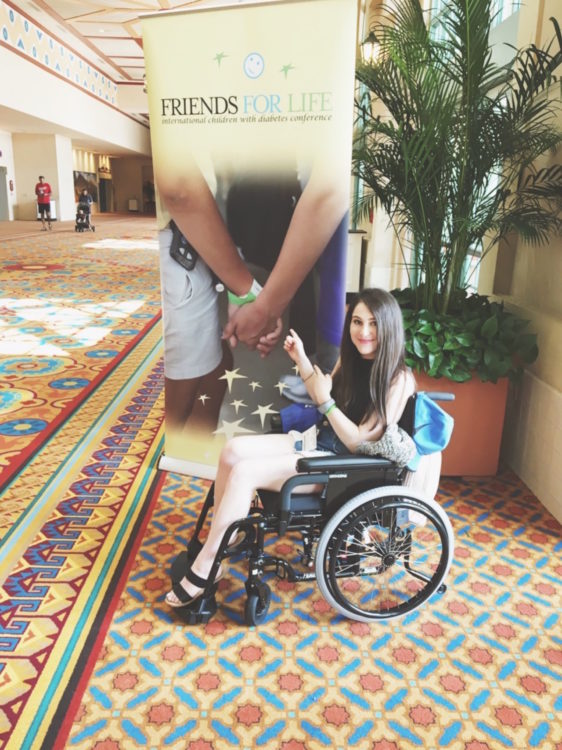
[42, 106]
[128, 181]
[64, 108]
[7, 160]
[533, 432]
[48, 155]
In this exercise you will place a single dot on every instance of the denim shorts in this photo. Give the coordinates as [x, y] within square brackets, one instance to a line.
[327, 440]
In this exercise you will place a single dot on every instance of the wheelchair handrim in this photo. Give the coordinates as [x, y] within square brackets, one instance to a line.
[384, 499]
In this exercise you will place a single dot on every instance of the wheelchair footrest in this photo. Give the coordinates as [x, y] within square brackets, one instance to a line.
[200, 611]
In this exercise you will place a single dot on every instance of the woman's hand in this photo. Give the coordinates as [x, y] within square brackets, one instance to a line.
[294, 347]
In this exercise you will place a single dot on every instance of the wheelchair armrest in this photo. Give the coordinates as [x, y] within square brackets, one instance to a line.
[440, 395]
[343, 462]
[286, 490]
[318, 470]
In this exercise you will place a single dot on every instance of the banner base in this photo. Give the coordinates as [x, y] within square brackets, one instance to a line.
[187, 468]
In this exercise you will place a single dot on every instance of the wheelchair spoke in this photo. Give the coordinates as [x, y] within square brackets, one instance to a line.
[382, 559]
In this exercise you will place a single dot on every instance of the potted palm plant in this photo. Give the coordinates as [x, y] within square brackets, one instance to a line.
[446, 144]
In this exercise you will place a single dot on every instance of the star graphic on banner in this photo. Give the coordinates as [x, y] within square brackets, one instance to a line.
[230, 376]
[281, 387]
[254, 384]
[238, 403]
[230, 429]
[219, 57]
[203, 397]
[263, 411]
[286, 68]
[296, 369]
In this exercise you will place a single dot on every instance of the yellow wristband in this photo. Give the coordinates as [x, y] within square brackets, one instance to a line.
[330, 408]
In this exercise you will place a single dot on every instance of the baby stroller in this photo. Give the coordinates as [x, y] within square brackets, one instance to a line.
[377, 549]
[83, 223]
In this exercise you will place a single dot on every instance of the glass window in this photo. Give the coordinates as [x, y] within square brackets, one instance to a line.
[504, 9]
[501, 9]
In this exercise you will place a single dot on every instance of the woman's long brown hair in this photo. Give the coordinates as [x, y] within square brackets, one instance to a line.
[351, 391]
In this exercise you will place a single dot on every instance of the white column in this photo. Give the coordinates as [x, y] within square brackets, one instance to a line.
[50, 156]
[66, 204]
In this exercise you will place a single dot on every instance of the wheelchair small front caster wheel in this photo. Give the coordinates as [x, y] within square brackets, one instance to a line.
[257, 605]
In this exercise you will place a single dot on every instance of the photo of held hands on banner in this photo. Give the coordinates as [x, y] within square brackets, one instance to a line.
[267, 220]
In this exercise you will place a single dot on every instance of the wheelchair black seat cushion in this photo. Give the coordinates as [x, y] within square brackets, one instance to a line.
[301, 503]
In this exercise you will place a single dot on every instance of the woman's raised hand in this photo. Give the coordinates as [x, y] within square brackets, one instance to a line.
[294, 347]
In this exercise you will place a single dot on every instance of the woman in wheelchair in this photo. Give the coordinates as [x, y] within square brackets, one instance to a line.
[367, 391]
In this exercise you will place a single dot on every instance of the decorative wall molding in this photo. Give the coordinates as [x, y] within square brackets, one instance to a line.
[30, 40]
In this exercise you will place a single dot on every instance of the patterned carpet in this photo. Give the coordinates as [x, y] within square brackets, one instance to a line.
[80, 331]
[91, 657]
[72, 305]
[478, 668]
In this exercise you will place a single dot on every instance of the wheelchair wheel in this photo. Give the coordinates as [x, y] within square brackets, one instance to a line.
[383, 553]
[257, 605]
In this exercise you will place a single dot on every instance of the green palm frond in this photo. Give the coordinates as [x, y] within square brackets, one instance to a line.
[446, 139]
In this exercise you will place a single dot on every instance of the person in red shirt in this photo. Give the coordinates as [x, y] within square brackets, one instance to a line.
[43, 193]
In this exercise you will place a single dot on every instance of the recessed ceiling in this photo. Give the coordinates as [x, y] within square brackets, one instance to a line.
[107, 34]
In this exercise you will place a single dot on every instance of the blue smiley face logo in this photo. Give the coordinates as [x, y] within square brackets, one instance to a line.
[254, 65]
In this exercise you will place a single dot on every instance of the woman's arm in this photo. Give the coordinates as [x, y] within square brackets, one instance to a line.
[348, 432]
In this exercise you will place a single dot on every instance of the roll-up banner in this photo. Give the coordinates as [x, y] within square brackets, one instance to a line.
[251, 116]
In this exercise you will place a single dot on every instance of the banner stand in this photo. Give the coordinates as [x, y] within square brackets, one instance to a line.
[187, 468]
[251, 124]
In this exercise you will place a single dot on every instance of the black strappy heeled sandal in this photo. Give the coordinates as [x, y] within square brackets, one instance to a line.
[184, 599]
[197, 609]
[194, 547]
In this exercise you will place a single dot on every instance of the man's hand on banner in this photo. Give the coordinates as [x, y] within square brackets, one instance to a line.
[251, 324]
[269, 341]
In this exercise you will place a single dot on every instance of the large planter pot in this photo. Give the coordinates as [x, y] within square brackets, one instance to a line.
[478, 411]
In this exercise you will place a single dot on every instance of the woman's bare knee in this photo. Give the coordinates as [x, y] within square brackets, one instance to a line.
[232, 453]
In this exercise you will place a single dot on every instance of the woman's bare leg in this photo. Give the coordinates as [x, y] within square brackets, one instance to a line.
[247, 462]
[247, 447]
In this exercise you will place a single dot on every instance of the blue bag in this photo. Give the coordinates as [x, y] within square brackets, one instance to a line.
[299, 417]
[432, 428]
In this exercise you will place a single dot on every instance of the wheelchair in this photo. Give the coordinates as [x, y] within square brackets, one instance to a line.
[377, 549]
